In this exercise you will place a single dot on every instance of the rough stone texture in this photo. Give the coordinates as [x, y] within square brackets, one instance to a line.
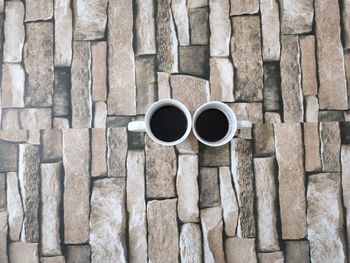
[264, 143]
[212, 225]
[330, 146]
[274, 257]
[209, 187]
[297, 251]
[78, 254]
[90, 18]
[187, 188]
[246, 55]
[14, 136]
[13, 31]
[347, 76]
[99, 71]
[332, 90]
[188, 146]
[61, 92]
[3, 237]
[108, 221]
[270, 29]
[326, 116]
[194, 60]
[220, 28]
[311, 109]
[100, 114]
[180, 14]
[39, 10]
[163, 231]
[12, 86]
[214, 156]
[292, 202]
[60, 123]
[240, 7]
[308, 65]
[167, 50]
[29, 180]
[117, 151]
[10, 120]
[51, 145]
[32, 118]
[345, 19]
[325, 218]
[345, 172]
[240, 250]
[34, 137]
[265, 171]
[145, 27]
[190, 243]
[296, 16]
[272, 87]
[58, 259]
[98, 153]
[76, 159]
[293, 110]
[191, 91]
[312, 147]
[199, 25]
[63, 33]
[121, 64]
[272, 117]
[221, 79]
[38, 63]
[163, 80]
[81, 85]
[345, 132]
[51, 194]
[20, 250]
[118, 121]
[196, 3]
[160, 170]
[14, 203]
[136, 206]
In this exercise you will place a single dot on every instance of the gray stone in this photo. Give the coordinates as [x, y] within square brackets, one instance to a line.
[57, 259]
[38, 63]
[196, 3]
[345, 173]
[272, 117]
[345, 19]
[347, 76]
[240, 7]
[209, 187]
[121, 64]
[3, 206]
[76, 161]
[296, 251]
[330, 146]
[243, 178]
[163, 80]
[161, 167]
[14, 136]
[10, 120]
[288, 139]
[78, 254]
[308, 65]
[199, 25]
[136, 140]
[180, 14]
[117, 151]
[20, 250]
[108, 228]
[99, 70]
[264, 143]
[117, 121]
[163, 245]
[240, 250]
[221, 79]
[100, 114]
[98, 153]
[311, 109]
[312, 147]
[81, 85]
[194, 60]
[12, 86]
[60, 123]
[190, 243]
[187, 188]
[34, 137]
[35, 118]
[39, 10]
[3, 236]
[273, 257]
[61, 92]
[325, 116]
[188, 146]
[292, 96]
[29, 180]
[345, 132]
[246, 56]
[325, 218]
[51, 143]
[214, 156]
[272, 86]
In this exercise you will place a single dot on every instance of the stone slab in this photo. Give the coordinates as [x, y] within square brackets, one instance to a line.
[214, 156]
[180, 14]
[194, 60]
[199, 26]
[308, 65]
[190, 243]
[98, 152]
[12, 86]
[221, 79]
[312, 147]
[35, 118]
[20, 250]
[241, 7]
[99, 71]
[272, 87]
[330, 146]
[240, 250]
[39, 10]
[209, 187]
[117, 151]
[61, 92]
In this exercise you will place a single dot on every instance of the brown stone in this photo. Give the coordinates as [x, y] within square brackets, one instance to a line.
[196, 3]
[221, 79]
[98, 153]
[240, 250]
[199, 25]
[12, 86]
[214, 156]
[312, 147]
[240, 7]
[272, 117]
[35, 118]
[297, 251]
[117, 150]
[326, 116]
[180, 14]
[194, 60]
[345, 173]
[264, 143]
[330, 146]
[51, 141]
[99, 71]
[190, 243]
[20, 250]
[308, 65]
[60, 123]
[39, 10]
[209, 187]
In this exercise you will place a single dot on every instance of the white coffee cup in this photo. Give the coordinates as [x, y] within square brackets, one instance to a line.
[233, 124]
[144, 126]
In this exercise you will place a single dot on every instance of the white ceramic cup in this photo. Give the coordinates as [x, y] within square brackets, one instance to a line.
[144, 126]
[232, 120]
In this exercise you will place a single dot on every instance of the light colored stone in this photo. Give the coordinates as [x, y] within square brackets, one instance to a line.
[187, 188]
[221, 80]
[188, 146]
[12, 84]
[325, 218]
[32, 118]
[297, 251]
[272, 117]
[100, 114]
[60, 123]
[136, 206]
[240, 250]
[62, 92]
[57, 259]
[209, 187]
[76, 162]
[332, 84]
[291, 179]
[108, 221]
[2, 6]
[121, 64]
[181, 21]
[3, 235]
[330, 146]
[51, 141]
[311, 109]
[265, 171]
[13, 31]
[312, 147]
[272, 87]
[264, 143]
[196, 3]
[34, 137]
[20, 250]
[99, 71]
[163, 245]
[39, 10]
[214, 156]
[240, 7]
[164, 89]
[98, 152]
[14, 203]
[273, 257]
[199, 26]
[51, 194]
[10, 120]
[308, 65]
[8, 157]
[194, 60]
[347, 76]
[81, 85]
[190, 243]
[117, 151]
[345, 174]
[63, 33]
[246, 56]
[293, 110]
[78, 254]
[14, 136]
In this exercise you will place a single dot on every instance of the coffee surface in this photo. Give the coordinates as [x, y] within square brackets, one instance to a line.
[212, 125]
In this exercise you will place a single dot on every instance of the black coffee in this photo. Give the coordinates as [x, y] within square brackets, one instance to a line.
[212, 125]
[168, 123]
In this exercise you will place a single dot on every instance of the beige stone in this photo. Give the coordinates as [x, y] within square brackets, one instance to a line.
[312, 147]
[20, 250]
[240, 7]
[57, 259]
[190, 243]
[34, 137]
[188, 146]
[180, 14]
[98, 153]
[345, 174]
[164, 89]
[240, 250]
[3, 234]
[347, 76]
[264, 143]
[32, 118]
[14, 136]
[100, 114]
[272, 117]
[308, 65]
[10, 120]
[196, 3]
[221, 80]
[12, 86]
[117, 150]
[273, 257]
[199, 26]
[8, 157]
[60, 123]
[39, 10]
[311, 109]
[99, 71]
[345, 19]
[330, 146]
[78, 254]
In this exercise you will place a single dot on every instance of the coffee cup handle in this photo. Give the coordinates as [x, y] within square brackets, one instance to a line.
[137, 126]
[244, 124]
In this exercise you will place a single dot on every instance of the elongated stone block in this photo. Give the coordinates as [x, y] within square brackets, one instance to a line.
[221, 79]
[3, 234]
[311, 109]
[330, 146]
[345, 164]
[240, 7]
[312, 147]
[35, 118]
[14, 136]
[199, 25]
[190, 243]
[308, 65]
[99, 71]
[272, 257]
[20, 250]
[196, 3]
[297, 251]
[163, 80]
[100, 114]
[209, 187]
[98, 153]
[194, 60]
[12, 86]
[345, 19]
[3, 203]
[272, 87]
[117, 151]
[57, 259]
[327, 116]
[8, 156]
[61, 92]
[180, 14]
[39, 10]
[240, 250]
[51, 145]
[214, 156]
[345, 132]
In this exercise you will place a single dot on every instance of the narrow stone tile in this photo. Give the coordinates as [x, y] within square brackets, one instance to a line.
[164, 90]
[117, 121]
[8, 156]
[246, 55]
[100, 114]
[20, 250]
[327, 116]
[39, 10]
[38, 64]
[98, 153]
[187, 188]
[332, 90]
[3, 236]
[330, 146]
[14, 136]
[209, 187]
[325, 229]
[163, 231]
[180, 14]
[196, 3]
[57, 259]
[273, 257]
[238, 249]
[60, 123]
[272, 117]
[51, 194]
[214, 156]
[13, 32]
[308, 65]
[29, 180]
[188, 146]
[51, 145]
[76, 161]
[61, 92]
[272, 86]
[190, 243]
[35, 118]
[108, 228]
[90, 18]
[347, 77]
[12, 86]
[194, 60]
[296, 251]
[199, 25]
[99, 71]
[239, 7]
[117, 151]
[78, 254]
[81, 85]
[221, 79]
[3, 202]
[345, 174]
[312, 147]
[63, 33]
[264, 142]
[212, 226]
[345, 19]
[311, 109]
[345, 132]
[292, 202]
[136, 206]
[121, 64]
